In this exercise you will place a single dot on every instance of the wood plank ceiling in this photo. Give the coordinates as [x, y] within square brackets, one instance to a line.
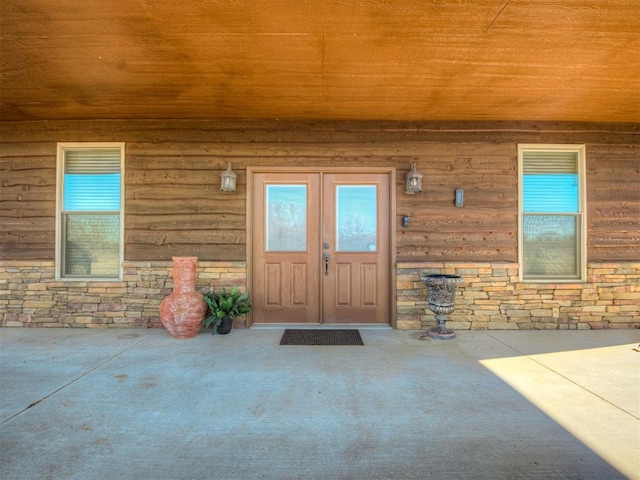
[541, 60]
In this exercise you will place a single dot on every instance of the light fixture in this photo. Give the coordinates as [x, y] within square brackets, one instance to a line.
[228, 180]
[414, 181]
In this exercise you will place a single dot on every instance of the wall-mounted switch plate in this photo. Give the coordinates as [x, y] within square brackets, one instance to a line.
[459, 198]
[405, 221]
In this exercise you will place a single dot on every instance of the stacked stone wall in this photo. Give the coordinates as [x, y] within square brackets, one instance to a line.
[492, 297]
[31, 297]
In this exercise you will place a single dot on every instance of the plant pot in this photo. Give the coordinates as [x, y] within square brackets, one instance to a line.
[225, 326]
[182, 311]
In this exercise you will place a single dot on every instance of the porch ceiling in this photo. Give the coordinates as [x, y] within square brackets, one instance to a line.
[547, 60]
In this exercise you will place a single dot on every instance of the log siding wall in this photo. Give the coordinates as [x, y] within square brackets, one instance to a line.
[173, 205]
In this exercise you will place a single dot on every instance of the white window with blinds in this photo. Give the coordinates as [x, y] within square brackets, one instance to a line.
[552, 223]
[90, 212]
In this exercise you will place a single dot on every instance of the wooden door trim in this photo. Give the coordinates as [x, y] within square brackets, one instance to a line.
[391, 171]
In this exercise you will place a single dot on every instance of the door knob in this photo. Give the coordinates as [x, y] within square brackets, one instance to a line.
[325, 256]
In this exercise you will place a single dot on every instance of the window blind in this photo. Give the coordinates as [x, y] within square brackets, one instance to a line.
[92, 180]
[550, 181]
[540, 162]
[92, 161]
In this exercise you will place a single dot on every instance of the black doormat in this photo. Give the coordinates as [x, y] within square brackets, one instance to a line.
[321, 337]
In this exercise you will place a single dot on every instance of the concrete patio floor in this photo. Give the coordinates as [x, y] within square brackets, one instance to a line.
[138, 404]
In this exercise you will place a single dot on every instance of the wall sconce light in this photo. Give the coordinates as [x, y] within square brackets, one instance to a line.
[414, 181]
[228, 180]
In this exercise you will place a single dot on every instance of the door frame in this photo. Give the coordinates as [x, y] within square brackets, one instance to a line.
[391, 171]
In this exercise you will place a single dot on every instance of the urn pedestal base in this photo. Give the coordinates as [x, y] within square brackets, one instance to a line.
[440, 331]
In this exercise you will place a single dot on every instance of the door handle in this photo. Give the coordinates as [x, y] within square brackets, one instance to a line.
[325, 256]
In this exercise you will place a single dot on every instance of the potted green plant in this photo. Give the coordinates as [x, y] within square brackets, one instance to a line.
[223, 308]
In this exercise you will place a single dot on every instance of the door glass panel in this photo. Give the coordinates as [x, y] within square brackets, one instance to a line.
[286, 218]
[356, 218]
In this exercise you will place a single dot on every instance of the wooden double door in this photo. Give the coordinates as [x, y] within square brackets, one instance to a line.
[320, 247]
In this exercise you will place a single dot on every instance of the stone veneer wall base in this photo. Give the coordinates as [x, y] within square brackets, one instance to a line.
[491, 297]
[31, 297]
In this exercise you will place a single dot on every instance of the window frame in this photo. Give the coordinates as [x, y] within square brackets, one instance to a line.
[581, 214]
[63, 147]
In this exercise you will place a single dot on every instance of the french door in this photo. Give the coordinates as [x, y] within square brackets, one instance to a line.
[320, 247]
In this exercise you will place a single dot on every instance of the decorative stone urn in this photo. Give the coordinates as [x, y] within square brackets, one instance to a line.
[182, 311]
[442, 295]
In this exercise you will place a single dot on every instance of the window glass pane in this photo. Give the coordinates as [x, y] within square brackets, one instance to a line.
[356, 218]
[550, 245]
[91, 192]
[92, 245]
[286, 218]
[551, 193]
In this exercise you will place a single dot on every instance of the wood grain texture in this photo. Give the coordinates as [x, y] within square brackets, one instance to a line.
[173, 205]
[477, 60]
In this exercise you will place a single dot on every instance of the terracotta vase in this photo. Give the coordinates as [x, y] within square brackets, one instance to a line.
[182, 311]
